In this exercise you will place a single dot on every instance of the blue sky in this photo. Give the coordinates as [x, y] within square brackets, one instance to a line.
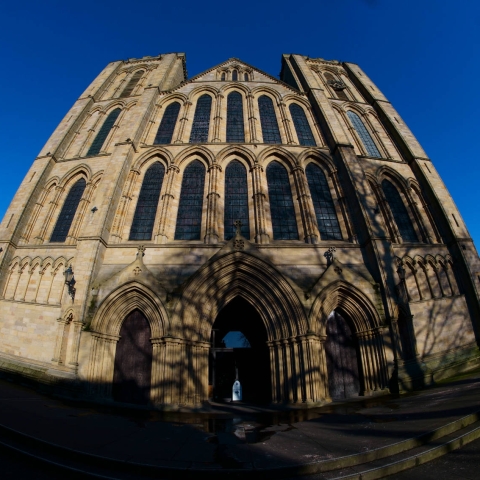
[423, 54]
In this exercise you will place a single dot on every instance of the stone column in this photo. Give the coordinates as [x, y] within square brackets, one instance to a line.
[261, 235]
[211, 231]
[251, 119]
[166, 205]
[183, 121]
[286, 123]
[273, 371]
[310, 227]
[217, 119]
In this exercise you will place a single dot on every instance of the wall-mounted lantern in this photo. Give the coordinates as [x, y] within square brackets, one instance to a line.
[70, 281]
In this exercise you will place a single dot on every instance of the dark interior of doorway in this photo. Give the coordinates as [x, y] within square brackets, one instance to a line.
[133, 361]
[247, 354]
[341, 349]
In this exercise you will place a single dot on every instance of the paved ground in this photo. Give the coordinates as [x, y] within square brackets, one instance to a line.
[242, 436]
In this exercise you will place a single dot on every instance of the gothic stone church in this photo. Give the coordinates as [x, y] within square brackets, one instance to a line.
[175, 234]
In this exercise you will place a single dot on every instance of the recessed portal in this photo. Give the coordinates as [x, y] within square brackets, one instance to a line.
[342, 359]
[133, 361]
[239, 348]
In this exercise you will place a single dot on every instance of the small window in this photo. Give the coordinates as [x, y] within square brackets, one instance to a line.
[167, 126]
[235, 128]
[102, 135]
[268, 120]
[69, 209]
[223, 77]
[234, 75]
[284, 222]
[201, 120]
[132, 84]
[304, 132]
[236, 199]
[399, 212]
[337, 85]
[367, 140]
[245, 77]
[189, 217]
[146, 210]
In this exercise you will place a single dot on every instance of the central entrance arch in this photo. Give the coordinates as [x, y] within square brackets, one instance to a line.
[239, 347]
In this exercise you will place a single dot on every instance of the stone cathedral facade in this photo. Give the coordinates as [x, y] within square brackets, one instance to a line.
[175, 234]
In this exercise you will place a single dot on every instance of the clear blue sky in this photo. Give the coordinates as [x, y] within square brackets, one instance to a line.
[423, 54]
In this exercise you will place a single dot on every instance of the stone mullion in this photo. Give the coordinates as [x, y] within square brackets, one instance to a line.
[273, 371]
[252, 119]
[345, 218]
[261, 235]
[53, 206]
[91, 131]
[182, 122]
[79, 215]
[166, 205]
[286, 123]
[217, 119]
[110, 136]
[211, 231]
[309, 219]
[119, 220]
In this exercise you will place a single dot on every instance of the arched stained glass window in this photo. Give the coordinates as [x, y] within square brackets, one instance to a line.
[69, 209]
[235, 130]
[399, 212]
[284, 222]
[332, 81]
[268, 120]
[132, 84]
[304, 132]
[167, 125]
[236, 199]
[367, 140]
[323, 203]
[234, 75]
[146, 210]
[189, 217]
[223, 77]
[245, 77]
[201, 120]
[102, 134]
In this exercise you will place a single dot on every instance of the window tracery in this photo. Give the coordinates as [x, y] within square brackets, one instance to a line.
[146, 209]
[201, 120]
[102, 135]
[328, 225]
[167, 125]
[189, 216]
[268, 120]
[236, 199]
[68, 211]
[365, 137]
[282, 210]
[302, 127]
[235, 128]
[399, 212]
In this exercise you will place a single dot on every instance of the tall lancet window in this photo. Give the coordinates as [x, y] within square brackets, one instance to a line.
[127, 91]
[282, 211]
[102, 134]
[268, 120]
[234, 75]
[304, 132]
[201, 120]
[146, 210]
[236, 199]
[367, 140]
[167, 125]
[69, 209]
[399, 212]
[235, 130]
[323, 203]
[189, 217]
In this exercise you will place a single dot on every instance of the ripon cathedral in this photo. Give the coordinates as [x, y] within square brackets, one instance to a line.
[176, 234]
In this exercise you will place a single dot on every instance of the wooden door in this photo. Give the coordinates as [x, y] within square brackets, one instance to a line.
[133, 361]
[342, 362]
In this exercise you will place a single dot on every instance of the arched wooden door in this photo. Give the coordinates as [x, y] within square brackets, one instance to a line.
[342, 361]
[133, 361]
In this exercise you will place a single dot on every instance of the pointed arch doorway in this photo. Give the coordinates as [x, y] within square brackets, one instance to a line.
[133, 361]
[341, 348]
[239, 347]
